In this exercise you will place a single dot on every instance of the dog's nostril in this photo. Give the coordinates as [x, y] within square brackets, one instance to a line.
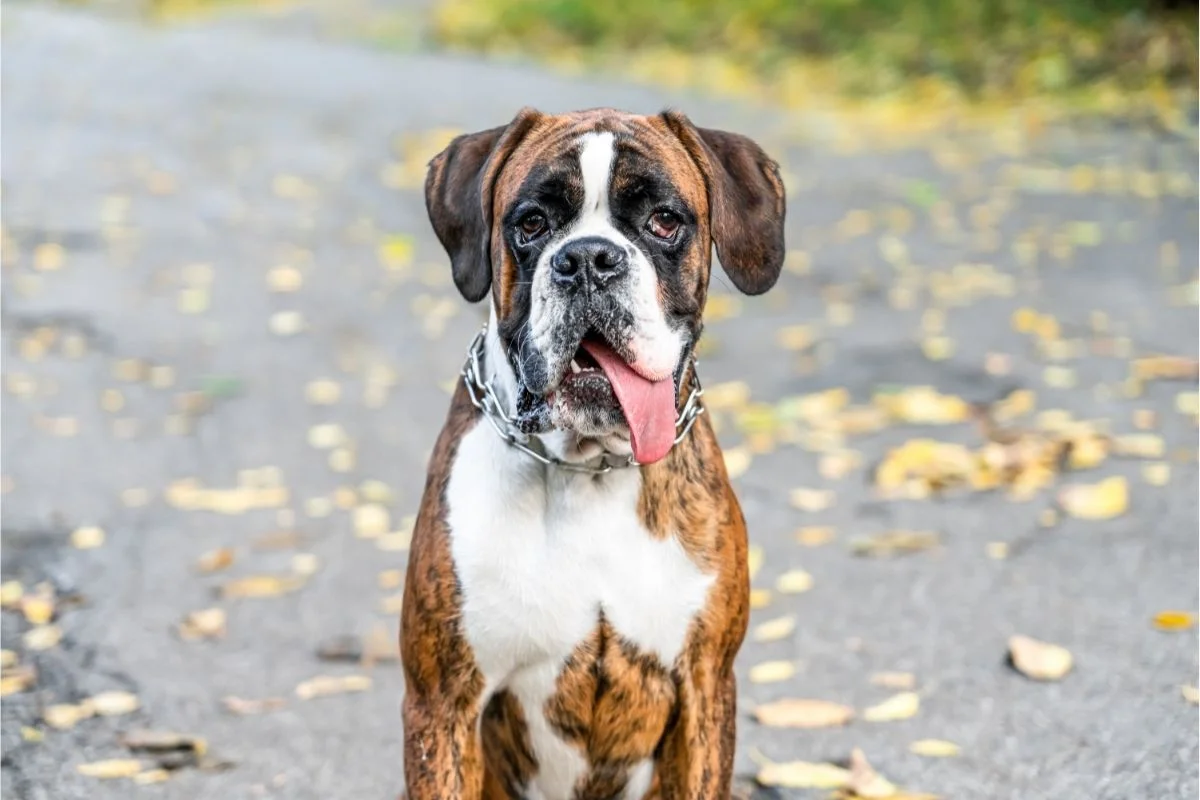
[564, 263]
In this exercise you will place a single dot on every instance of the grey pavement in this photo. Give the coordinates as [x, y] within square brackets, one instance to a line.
[175, 167]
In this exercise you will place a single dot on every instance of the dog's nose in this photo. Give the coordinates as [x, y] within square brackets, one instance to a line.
[592, 258]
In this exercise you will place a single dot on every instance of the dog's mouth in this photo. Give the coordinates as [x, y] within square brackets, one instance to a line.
[599, 382]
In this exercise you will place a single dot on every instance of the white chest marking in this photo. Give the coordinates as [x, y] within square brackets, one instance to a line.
[540, 554]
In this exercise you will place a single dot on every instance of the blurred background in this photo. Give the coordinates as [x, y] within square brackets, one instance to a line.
[963, 427]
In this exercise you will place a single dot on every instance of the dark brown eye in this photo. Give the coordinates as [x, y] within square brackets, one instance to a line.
[532, 225]
[663, 224]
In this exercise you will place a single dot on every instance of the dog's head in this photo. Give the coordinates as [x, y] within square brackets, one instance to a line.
[594, 232]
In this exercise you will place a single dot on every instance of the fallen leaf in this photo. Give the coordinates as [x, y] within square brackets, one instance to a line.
[286, 323]
[87, 538]
[894, 543]
[114, 704]
[11, 593]
[215, 560]
[997, 551]
[43, 637]
[325, 685]
[774, 630]
[17, 679]
[803, 775]
[1156, 473]
[737, 461]
[772, 671]
[897, 707]
[244, 708]
[323, 392]
[284, 279]
[794, 582]
[1104, 500]
[754, 559]
[760, 598]
[865, 781]
[261, 586]
[814, 536]
[371, 520]
[157, 775]
[1040, 661]
[1174, 620]
[208, 623]
[1190, 693]
[801, 713]
[934, 748]
[811, 499]
[894, 680]
[62, 716]
[152, 741]
[390, 579]
[38, 609]
[110, 768]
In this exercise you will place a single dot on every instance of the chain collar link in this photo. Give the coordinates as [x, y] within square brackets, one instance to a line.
[483, 396]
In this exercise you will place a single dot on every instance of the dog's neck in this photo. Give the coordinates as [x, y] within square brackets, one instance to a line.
[563, 445]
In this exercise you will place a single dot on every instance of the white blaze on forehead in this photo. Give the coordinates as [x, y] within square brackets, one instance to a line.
[595, 162]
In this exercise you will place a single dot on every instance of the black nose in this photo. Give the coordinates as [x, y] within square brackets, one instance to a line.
[591, 258]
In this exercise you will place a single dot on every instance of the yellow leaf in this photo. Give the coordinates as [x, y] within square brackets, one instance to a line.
[772, 671]
[865, 781]
[114, 704]
[322, 392]
[934, 748]
[896, 707]
[1104, 500]
[795, 337]
[760, 598]
[737, 461]
[803, 775]
[1040, 661]
[260, 586]
[61, 716]
[894, 680]
[284, 279]
[111, 768]
[892, 543]
[1174, 620]
[325, 685]
[286, 323]
[1156, 473]
[811, 499]
[813, 536]
[727, 396]
[371, 520]
[801, 713]
[157, 775]
[87, 538]
[794, 581]
[775, 629]
[43, 637]
[215, 560]
[208, 623]
[754, 559]
[1190, 693]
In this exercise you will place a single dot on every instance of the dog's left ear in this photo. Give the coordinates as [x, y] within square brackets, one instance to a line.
[458, 197]
[746, 202]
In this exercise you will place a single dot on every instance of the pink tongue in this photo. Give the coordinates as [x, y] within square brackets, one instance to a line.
[649, 406]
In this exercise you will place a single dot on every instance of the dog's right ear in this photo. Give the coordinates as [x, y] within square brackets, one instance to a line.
[458, 196]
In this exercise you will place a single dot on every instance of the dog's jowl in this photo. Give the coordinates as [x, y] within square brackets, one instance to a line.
[577, 586]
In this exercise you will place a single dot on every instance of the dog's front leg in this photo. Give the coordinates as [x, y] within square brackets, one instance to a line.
[696, 761]
[442, 757]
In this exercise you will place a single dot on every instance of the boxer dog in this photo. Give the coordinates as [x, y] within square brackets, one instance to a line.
[577, 586]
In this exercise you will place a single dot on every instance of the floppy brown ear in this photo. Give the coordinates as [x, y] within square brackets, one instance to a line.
[458, 196]
[746, 202]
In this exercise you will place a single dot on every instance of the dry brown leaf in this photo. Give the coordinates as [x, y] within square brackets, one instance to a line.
[865, 781]
[154, 741]
[802, 713]
[894, 680]
[893, 543]
[772, 671]
[242, 707]
[934, 748]
[215, 560]
[114, 704]
[1104, 500]
[208, 623]
[110, 768]
[803, 775]
[794, 581]
[1174, 620]
[1040, 661]
[261, 586]
[899, 706]
[324, 685]
[775, 629]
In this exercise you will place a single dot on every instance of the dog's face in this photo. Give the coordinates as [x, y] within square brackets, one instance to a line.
[594, 232]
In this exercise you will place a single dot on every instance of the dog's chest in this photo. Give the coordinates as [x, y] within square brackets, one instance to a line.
[557, 572]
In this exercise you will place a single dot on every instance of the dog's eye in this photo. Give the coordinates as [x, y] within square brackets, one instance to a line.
[532, 225]
[663, 224]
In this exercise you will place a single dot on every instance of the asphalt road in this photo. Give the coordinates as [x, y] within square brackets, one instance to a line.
[176, 168]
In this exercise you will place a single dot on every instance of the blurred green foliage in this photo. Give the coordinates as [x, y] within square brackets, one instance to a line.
[979, 47]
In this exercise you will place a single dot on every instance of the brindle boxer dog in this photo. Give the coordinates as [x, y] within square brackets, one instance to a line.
[577, 587]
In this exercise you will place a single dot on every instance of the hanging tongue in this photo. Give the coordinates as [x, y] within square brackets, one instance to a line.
[649, 406]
